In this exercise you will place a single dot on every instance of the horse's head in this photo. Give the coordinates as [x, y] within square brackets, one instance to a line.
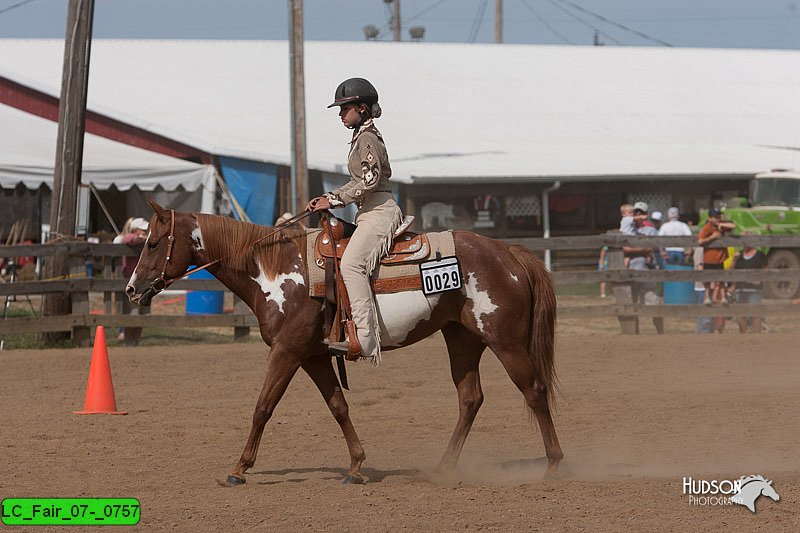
[167, 253]
[768, 491]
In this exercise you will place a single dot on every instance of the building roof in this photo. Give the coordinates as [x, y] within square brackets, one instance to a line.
[28, 148]
[455, 111]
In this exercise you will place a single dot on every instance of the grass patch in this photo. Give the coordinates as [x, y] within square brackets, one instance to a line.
[150, 337]
[579, 289]
[30, 341]
[180, 336]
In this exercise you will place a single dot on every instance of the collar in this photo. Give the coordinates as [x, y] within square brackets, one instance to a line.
[364, 126]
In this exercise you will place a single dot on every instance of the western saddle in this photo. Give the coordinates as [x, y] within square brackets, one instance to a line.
[329, 247]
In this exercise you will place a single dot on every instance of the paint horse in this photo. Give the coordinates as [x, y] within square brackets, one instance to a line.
[507, 303]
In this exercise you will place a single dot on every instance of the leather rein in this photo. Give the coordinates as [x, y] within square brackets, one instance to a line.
[159, 284]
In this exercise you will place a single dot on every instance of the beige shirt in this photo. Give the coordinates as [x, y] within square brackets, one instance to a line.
[368, 164]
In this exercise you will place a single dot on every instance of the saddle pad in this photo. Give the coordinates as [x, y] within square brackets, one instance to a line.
[386, 278]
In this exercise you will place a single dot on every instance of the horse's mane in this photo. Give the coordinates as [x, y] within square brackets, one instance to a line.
[744, 480]
[237, 244]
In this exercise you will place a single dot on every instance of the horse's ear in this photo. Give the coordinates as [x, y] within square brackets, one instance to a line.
[157, 209]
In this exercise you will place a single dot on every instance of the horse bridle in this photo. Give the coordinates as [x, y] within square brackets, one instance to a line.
[159, 284]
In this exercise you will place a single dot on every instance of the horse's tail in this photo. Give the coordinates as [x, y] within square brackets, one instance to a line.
[541, 336]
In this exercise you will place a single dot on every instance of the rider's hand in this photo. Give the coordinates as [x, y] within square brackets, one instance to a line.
[320, 203]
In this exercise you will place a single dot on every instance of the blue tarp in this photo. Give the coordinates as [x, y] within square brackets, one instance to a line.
[254, 185]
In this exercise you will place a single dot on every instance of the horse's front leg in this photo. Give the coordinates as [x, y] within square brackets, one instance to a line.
[281, 368]
[320, 369]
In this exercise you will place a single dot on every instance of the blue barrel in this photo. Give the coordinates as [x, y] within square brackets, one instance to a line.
[679, 292]
[203, 302]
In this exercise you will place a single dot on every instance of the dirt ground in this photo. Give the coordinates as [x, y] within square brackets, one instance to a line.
[636, 415]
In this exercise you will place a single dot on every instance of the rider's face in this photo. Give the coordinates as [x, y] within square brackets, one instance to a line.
[349, 115]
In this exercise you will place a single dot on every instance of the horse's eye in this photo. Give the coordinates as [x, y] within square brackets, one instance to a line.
[152, 245]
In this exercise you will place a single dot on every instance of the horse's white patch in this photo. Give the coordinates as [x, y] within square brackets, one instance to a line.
[273, 288]
[132, 281]
[197, 239]
[481, 301]
[400, 312]
[514, 277]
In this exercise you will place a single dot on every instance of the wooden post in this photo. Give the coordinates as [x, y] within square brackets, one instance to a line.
[498, 21]
[622, 292]
[81, 335]
[240, 308]
[69, 147]
[299, 169]
[396, 20]
[108, 297]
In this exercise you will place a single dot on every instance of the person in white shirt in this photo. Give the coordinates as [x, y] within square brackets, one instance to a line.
[676, 255]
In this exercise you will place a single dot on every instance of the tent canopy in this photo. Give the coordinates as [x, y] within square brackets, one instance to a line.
[28, 148]
[455, 111]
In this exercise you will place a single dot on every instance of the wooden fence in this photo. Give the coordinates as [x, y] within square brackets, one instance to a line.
[112, 286]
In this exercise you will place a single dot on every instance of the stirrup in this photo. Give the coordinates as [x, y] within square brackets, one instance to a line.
[342, 349]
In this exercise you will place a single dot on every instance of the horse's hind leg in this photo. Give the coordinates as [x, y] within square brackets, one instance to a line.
[321, 372]
[521, 371]
[280, 371]
[465, 350]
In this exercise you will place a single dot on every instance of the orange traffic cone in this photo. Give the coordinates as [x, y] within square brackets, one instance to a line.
[100, 390]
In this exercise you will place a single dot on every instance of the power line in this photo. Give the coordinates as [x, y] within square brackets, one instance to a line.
[14, 6]
[617, 24]
[549, 27]
[476, 23]
[587, 24]
[409, 19]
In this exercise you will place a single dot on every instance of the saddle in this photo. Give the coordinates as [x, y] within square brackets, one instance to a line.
[406, 247]
[329, 247]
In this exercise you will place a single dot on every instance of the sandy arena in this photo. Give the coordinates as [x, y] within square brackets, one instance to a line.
[636, 415]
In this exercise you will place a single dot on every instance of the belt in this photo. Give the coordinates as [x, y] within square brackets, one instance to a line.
[360, 202]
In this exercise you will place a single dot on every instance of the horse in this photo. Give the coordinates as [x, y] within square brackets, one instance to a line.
[751, 488]
[507, 303]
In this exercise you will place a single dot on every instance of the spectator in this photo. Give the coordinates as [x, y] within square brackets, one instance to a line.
[656, 219]
[676, 255]
[626, 225]
[126, 230]
[645, 292]
[283, 218]
[749, 292]
[135, 239]
[714, 258]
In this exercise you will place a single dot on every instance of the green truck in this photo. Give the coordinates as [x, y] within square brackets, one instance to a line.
[774, 209]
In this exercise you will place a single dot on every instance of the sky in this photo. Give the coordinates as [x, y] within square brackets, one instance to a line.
[683, 23]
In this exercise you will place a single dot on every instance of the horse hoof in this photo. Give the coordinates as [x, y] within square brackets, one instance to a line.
[353, 480]
[552, 474]
[234, 481]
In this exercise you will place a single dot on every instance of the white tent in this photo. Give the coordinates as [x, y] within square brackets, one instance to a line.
[27, 156]
[456, 111]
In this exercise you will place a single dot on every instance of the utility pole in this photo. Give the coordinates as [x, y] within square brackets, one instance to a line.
[69, 147]
[396, 19]
[299, 170]
[498, 21]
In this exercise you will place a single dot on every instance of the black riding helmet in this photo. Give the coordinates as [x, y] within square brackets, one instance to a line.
[355, 91]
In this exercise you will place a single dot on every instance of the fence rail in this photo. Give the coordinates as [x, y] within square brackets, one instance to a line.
[112, 286]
